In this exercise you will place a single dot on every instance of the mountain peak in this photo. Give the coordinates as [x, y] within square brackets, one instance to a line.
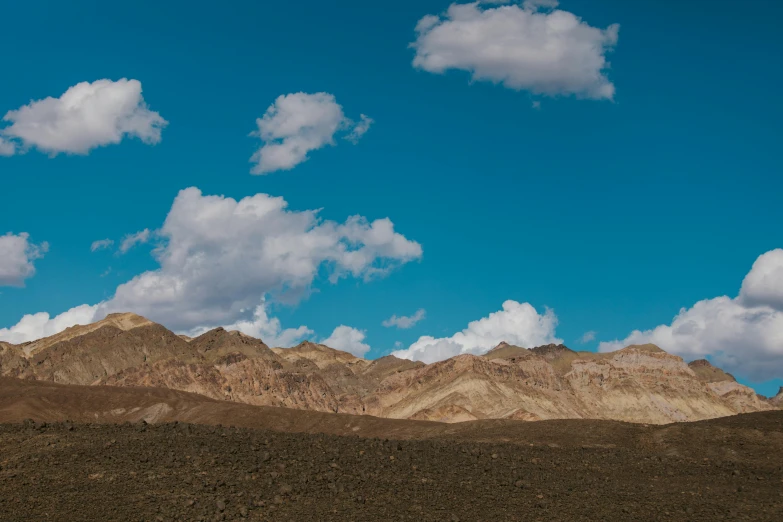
[122, 321]
[648, 348]
[505, 350]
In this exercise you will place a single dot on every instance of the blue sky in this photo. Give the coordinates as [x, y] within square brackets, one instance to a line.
[615, 214]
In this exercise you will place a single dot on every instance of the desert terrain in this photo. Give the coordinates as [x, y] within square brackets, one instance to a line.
[85, 453]
[125, 420]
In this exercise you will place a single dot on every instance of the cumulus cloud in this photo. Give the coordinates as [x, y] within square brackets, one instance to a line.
[36, 326]
[764, 283]
[588, 337]
[298, 123]
[101, 244]
[86, 116]
[517, 323]
[524, 48]
[219, 257]
[742, 335]
[264, 327]
[131, 240]
[17, 255]
[348, 340]
[405, 322]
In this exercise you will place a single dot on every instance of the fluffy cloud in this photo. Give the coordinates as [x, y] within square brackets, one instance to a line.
[588, 337]
[263, 327]
[743, 335]
[517, 323]
[348, 340]
[17, 255]
[220, 257]
[131, 240]
[764, 284]
[36, 326]
[405, 322]
[524, 48]
[86, 116]
[101, 244]
[297, 124]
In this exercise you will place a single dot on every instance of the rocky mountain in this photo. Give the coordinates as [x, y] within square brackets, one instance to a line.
[638, 383]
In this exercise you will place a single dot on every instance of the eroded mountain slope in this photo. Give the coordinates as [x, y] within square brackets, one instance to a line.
[638, 383]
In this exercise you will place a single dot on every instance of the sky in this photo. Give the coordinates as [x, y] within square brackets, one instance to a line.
[424, 179]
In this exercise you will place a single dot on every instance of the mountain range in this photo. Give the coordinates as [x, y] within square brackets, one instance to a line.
[640, 384]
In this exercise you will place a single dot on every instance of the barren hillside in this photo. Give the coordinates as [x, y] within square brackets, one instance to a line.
[638, 383]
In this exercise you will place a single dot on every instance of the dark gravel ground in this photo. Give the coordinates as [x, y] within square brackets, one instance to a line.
[703, 471]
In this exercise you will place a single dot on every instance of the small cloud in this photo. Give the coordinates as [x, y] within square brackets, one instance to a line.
[530, 48]
[588, 337]
[85, 117]
[537, 105]
[297, 124]
[17, 257]
[131, 240]
[101, 244]
[404, 322]
[107, 272]
[360, 129]
[349, 340]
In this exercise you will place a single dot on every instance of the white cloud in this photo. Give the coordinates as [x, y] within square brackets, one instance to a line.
[743, 335]
[764, 283]
[263, 327]
[220, 257]
[17, 255]
[101, 244]
[86, 116]
[517, 323]
[360, 129]
[524, 48]
[588, 337]
[348, 340]
[405, 322]
[131, 240]
[297, 124]
[7, 148]
[36, 326]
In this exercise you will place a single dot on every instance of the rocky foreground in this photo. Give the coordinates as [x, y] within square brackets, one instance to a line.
[725, 469]
[88, 453]
[635, 384]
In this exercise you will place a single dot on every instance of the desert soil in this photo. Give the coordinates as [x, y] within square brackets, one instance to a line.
[724, 469]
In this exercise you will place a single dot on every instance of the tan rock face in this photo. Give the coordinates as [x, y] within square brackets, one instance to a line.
[638, 384]
[777, 400]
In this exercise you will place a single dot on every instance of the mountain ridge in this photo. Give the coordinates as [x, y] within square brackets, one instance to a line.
[637, 383]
